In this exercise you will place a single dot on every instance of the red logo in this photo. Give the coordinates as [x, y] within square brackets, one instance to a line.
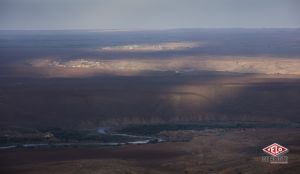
[275, 149]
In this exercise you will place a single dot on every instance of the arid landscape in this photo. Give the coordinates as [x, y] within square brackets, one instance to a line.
[162, 101]
[221, 151]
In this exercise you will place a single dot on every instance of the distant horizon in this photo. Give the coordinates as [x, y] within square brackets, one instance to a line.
[146, 29]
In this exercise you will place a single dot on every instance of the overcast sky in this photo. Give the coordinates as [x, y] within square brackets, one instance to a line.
[147, 14]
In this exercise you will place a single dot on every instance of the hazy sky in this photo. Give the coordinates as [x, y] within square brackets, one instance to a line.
[147, 14]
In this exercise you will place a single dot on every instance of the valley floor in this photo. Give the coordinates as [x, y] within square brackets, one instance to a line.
[227, 151]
